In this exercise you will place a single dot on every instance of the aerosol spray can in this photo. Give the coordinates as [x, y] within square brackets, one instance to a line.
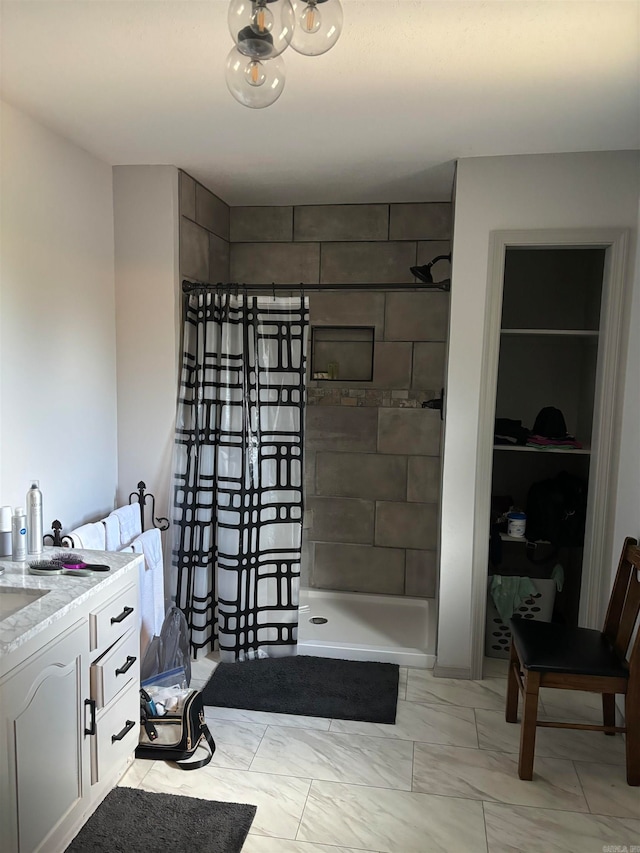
[19, 535]
[34, 519]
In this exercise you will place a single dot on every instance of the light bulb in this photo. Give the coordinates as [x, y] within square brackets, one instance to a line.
[316, 31]
[254, 72]
[261, 18]
[261, 28]
[310, 20]
[252, 81]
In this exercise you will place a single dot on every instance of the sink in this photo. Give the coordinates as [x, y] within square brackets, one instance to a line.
[14, 598]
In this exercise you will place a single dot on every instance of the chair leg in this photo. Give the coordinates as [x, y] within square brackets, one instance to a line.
[609, 711]
[511, 710]
[528, 725]
[632, 723]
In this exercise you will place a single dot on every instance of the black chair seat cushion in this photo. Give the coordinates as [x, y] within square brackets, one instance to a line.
[548, 647]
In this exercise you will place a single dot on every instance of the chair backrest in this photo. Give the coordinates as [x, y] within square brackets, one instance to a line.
[624, 604]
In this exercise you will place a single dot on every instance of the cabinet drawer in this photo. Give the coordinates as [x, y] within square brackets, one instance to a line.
[115, 669]
[117, 733]
[114, 618]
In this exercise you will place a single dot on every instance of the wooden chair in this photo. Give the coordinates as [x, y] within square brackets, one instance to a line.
[544, 654]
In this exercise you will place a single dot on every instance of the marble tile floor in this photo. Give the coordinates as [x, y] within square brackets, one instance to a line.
[443, 778]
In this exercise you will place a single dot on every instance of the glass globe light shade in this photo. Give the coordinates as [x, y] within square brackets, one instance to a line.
[261, 27]
[318, 25]
[253, 81]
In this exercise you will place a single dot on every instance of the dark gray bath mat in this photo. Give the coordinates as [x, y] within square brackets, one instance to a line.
[133, 821]
[310, 686]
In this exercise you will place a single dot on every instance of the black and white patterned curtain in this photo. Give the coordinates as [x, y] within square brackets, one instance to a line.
[238, 472]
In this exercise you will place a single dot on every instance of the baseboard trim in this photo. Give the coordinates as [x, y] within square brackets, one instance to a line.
[452, 671]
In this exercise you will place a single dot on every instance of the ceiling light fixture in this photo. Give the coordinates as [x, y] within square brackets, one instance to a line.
[262, 30]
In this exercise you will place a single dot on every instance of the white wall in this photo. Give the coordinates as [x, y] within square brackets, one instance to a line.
[627, 521]
[500, 193]
[57, 324]
[148, 311]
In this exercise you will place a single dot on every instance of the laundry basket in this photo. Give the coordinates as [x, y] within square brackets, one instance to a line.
[538, 605]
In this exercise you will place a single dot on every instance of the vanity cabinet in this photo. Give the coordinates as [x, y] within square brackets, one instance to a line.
[69, 717]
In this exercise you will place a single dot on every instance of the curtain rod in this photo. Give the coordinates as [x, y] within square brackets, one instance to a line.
[271, 289]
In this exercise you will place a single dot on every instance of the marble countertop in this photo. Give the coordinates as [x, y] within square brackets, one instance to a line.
[63, 593]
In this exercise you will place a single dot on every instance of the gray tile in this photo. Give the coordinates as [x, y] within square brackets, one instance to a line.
[392, 364]
[422, 221]
[409, 431]
[361, 475]
[211, 212]
[309, 469]
[341, 222]
[428, 365]
[479, 774]
[281, 263]
[187, 195]
[606, 790]
[342, 520]
[341, 428]
[423, 479]
[521, 828]
[218, 260]
[261, 224]
[405, 525]
[416, 316]
[428, 250]
[368, 263]
[348, 309]
[421, 573]
[359, 568]
[194, 250]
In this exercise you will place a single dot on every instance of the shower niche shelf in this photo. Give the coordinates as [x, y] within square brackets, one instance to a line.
[342, 353]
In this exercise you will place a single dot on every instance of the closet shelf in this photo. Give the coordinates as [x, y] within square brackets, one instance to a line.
[518, 448]
[523, 539]
[575, 333]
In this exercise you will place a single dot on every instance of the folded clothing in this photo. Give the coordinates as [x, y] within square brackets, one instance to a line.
[541, 441]
[130, 523]
[91, 537]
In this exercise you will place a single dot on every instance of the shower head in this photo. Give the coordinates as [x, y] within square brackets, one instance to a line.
[423, 273]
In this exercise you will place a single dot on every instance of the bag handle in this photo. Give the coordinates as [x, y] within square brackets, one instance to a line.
[195, 765]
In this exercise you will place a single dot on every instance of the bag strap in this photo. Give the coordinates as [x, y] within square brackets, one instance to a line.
[194, 765]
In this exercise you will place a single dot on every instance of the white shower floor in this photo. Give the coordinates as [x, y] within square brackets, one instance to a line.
[360, 626]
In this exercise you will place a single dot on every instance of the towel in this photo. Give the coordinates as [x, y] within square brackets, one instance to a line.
[89, 536]
[508, 593]
[111, 532]
[130, 525]
[149, 544]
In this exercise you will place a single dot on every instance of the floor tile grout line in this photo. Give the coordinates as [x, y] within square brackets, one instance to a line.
[484, 820]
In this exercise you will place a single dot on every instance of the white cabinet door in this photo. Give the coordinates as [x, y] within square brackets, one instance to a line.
[47, 767]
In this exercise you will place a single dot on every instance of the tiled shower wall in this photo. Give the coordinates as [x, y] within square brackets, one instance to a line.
[204, 233]
[372, 453]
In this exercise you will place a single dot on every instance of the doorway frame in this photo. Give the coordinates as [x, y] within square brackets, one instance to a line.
[598, 547]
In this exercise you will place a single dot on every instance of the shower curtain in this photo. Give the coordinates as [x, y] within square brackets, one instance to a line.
[238, 472]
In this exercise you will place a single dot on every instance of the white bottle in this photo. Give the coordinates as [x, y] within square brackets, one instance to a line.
[19, 535]
[34, 519]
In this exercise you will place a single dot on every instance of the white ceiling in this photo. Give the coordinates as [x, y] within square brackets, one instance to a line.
[409, 87]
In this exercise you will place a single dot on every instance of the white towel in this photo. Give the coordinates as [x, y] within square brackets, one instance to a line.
[130, 525]
[151, 584]
[89, 536]
[111, 532]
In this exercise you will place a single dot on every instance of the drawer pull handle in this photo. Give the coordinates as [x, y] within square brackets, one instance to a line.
[130, 662]
[92, 724]
[127, 728]
[126, 611]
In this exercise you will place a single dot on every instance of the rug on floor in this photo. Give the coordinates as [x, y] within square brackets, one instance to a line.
[309, 686]
[133, 821]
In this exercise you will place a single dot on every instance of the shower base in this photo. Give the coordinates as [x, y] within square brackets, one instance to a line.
[359, 626]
